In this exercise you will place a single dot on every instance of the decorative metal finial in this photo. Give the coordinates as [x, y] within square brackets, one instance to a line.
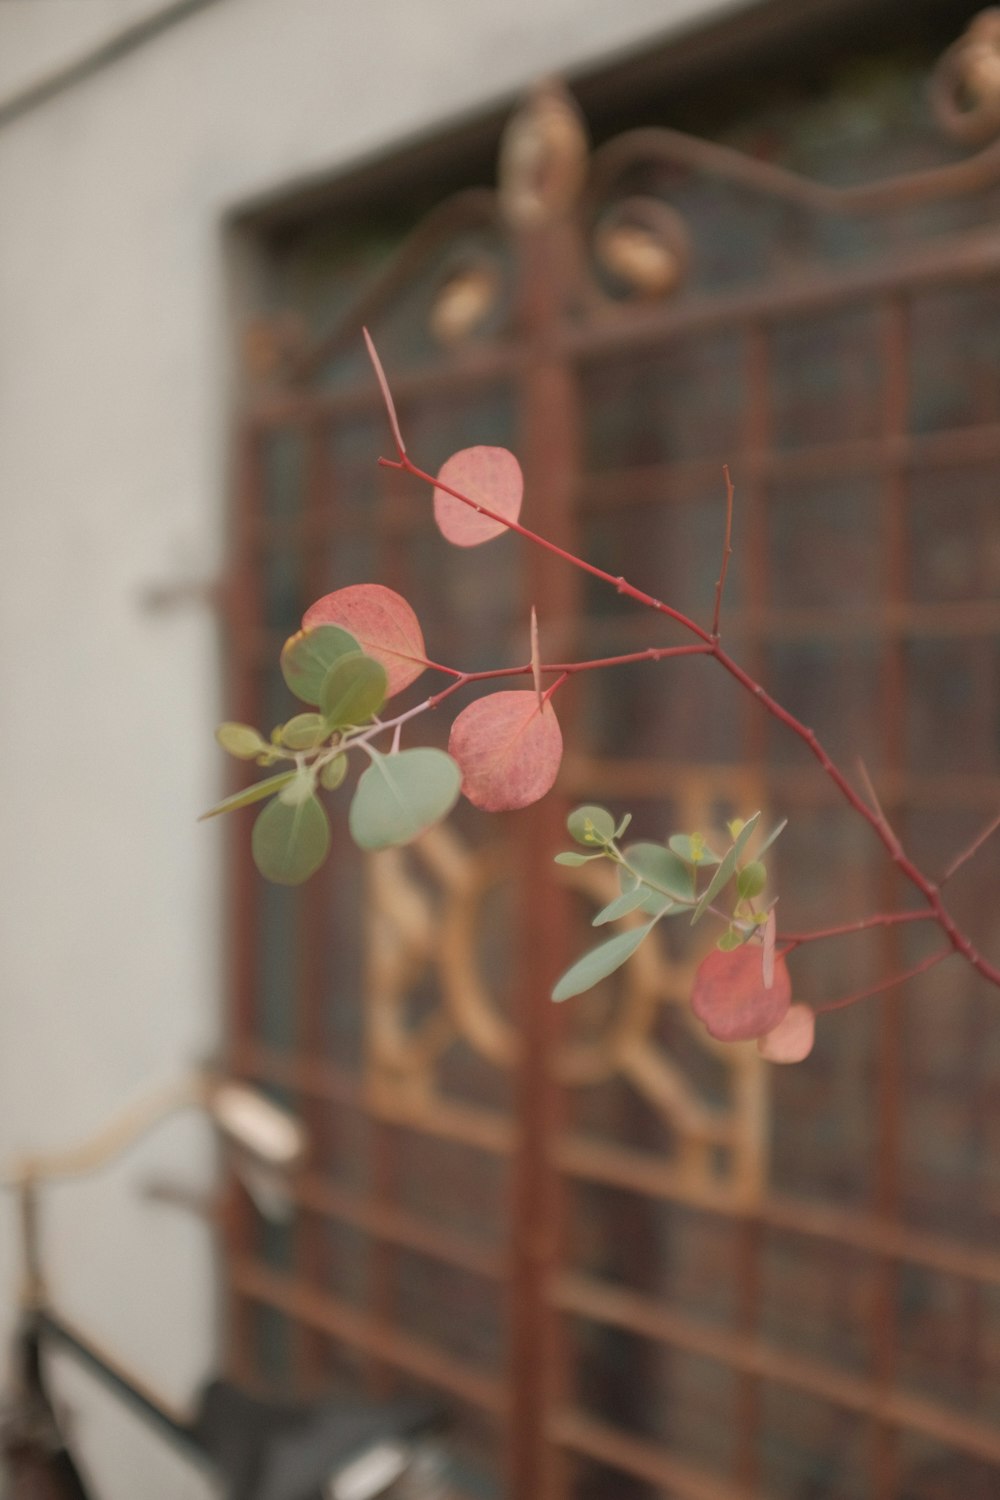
[965, 87]
[543, 159]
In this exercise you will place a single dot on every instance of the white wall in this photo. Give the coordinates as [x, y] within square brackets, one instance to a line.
[113, 416]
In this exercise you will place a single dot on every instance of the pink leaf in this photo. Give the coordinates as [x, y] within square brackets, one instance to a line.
[489, 477]
[509, 749]
[382, 623]
[792, 1039]
[730, 998]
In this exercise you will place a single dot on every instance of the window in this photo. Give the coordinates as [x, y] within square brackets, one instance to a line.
[632, 1263]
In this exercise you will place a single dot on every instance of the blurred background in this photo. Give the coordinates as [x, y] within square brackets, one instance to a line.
[632, 1264]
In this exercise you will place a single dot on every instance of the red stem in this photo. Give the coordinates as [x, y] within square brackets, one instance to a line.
[569, 668]
[621, 584]
[792, 940]
[887, 984]
[970, 850]
[727, 552]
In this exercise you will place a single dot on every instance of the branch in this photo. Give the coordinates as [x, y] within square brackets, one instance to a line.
[727, 552]
[967, 853]
[887, 984]
[883, 821]
[872, 815]
[792, 940]
[622, 585]
[390, 405]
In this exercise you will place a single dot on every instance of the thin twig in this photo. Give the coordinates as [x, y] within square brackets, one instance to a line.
[621, 585]
[727, 552]
[879, 810]
[967, 853]
[792, 940]
[887, 984]
[390, 405]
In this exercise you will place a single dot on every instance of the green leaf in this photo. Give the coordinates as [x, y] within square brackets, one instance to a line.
[591, 825]
[775, 833]
[572, 858]
[692, 849]
[307, 657]
[751, 880]
[241, 740]
[305, 732]
[333, 772]
[353, 690]
[667, 878]
[255, 793]
[621, 906]
[290, 843]
[600, 962]
[300, 788]
[731, 939]
[400, 796]
[727, 868]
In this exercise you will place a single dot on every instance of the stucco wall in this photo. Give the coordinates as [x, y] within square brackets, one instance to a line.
[113, 413]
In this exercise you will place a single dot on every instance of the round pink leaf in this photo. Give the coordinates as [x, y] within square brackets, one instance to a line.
[509, 748]
[730, 998]
[490, 477]
[382, 623]
[792, 1039]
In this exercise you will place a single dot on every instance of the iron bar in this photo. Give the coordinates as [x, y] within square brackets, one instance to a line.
[341, 1320]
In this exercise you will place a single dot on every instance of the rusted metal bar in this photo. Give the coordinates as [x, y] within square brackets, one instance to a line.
[340, 1320]
[647, 779]
[241, 617]
[954, 260]
[549, 425]
[483, 1129]
[582, 1434]
[383, 1221]
[586, 1297]
[894, 551]
[310, 1250]
[640, 1172]
[688, 480]
[673, 148]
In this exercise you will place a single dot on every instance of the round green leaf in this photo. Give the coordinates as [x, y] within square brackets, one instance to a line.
[299, 789]
[591, 825]
[353, 690]
[305, 732]
[668, 877]
[751, 880]
[241, 740]
[599, 963]
[400, 796]
[308, 656]
[570, 857]
[290, 842]
[255, 793]
[333, 772]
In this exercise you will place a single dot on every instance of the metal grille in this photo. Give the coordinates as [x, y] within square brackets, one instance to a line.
[638, 1264]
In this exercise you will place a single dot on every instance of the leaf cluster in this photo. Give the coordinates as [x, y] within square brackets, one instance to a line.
[740, 991]
[396, 798]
